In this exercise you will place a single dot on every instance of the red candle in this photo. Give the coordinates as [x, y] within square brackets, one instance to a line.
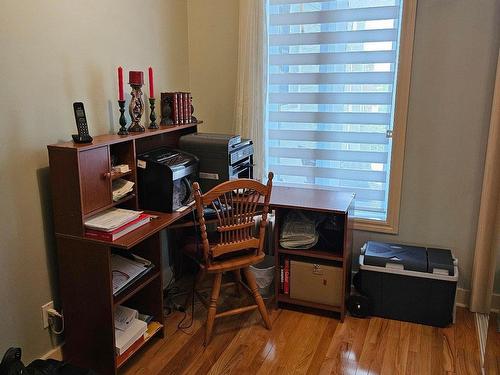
[136, 78]
[120, 83]
[151, 87]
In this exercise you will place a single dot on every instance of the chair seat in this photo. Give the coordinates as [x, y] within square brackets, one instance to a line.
[227, 262]
[234, 263]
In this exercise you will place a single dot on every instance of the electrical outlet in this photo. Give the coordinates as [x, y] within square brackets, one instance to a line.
[45, 315]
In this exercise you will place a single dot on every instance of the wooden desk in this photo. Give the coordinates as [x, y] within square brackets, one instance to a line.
[81, 187]
[81, 182]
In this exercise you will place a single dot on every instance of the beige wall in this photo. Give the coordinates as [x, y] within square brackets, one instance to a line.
[213, 54]
[456, 44]
[55, 53]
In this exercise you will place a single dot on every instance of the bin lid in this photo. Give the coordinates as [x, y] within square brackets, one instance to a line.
[440, 261]
[406, 257]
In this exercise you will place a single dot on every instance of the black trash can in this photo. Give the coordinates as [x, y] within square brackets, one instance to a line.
[409, 283]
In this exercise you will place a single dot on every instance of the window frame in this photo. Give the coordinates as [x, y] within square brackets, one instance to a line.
[403, 83]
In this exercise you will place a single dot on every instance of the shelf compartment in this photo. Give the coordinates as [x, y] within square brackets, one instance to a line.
[121, 359]
[117, 175]
[313, 253]
[293, 301]
[123, 200]
[136, 286]
[107, 207]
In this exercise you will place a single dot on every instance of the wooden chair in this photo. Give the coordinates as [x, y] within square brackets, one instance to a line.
[233, 246]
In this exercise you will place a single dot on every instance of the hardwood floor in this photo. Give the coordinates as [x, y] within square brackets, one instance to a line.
[301, 343]
[492, 353]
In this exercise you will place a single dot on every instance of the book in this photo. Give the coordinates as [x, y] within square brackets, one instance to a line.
[118, 232]
[131, 350]
[152, 328]
[282, 273]
[125, 339]
[111, 219]
[175, 108]
[180, 106]
[125, 270]
[286, 278]
[121, 188]
[124, 316]
[185, 103]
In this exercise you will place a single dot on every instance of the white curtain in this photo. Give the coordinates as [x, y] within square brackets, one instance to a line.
[251, 89]
[488, 228]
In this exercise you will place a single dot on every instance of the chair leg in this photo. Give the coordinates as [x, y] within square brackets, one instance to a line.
[257, 297]
[199, 276]
[212, 308]
[237, 277]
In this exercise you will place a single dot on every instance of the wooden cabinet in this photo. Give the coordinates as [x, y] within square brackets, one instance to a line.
[81, 182]
[95, 176]
[334, 247]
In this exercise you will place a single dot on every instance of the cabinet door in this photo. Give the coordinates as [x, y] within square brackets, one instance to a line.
[95, 179]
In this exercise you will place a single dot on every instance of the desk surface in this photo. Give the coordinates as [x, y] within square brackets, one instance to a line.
[314, 199]
[133, 238]
[281, 197]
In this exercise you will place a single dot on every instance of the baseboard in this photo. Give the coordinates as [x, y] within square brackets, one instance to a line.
[495, 303]
[55, 353]
[462, 297]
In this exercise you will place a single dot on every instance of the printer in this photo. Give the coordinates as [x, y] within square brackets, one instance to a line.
[222, 157]
[165, 177]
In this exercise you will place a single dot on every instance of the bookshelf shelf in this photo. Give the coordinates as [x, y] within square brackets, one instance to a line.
[122, 359]
[135, 287]
[293, 301]
[117, 175]
[313, 253]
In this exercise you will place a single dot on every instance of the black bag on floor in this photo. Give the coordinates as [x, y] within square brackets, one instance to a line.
[12, 365]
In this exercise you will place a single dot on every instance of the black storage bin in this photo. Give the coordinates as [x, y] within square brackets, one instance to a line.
[409, 283]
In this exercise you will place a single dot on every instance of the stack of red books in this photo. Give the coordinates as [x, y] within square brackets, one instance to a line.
[176, 108]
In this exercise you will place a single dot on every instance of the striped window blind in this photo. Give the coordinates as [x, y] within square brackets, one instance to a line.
[331, 92]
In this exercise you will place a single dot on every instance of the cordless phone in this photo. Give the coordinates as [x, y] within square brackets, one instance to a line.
[81, 124]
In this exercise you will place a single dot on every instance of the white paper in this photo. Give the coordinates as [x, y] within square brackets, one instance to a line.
[124, 316]
[121, 188]
[124, 270]
[111, 219]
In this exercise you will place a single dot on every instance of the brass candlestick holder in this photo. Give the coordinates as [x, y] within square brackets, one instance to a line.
[123, 121]
[152, 115]
[136, 109]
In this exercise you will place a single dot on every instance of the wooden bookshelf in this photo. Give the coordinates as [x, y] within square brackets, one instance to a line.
[330, 203]
[81, 178]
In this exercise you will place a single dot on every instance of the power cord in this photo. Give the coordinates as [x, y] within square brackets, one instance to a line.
[183, 328]
[51, 315]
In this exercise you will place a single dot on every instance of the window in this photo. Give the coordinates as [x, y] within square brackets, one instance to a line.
[337, 99]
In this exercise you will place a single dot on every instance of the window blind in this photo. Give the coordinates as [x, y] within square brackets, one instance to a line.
[332, 80]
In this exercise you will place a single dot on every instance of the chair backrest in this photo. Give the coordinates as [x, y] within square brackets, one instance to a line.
[235, 204]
